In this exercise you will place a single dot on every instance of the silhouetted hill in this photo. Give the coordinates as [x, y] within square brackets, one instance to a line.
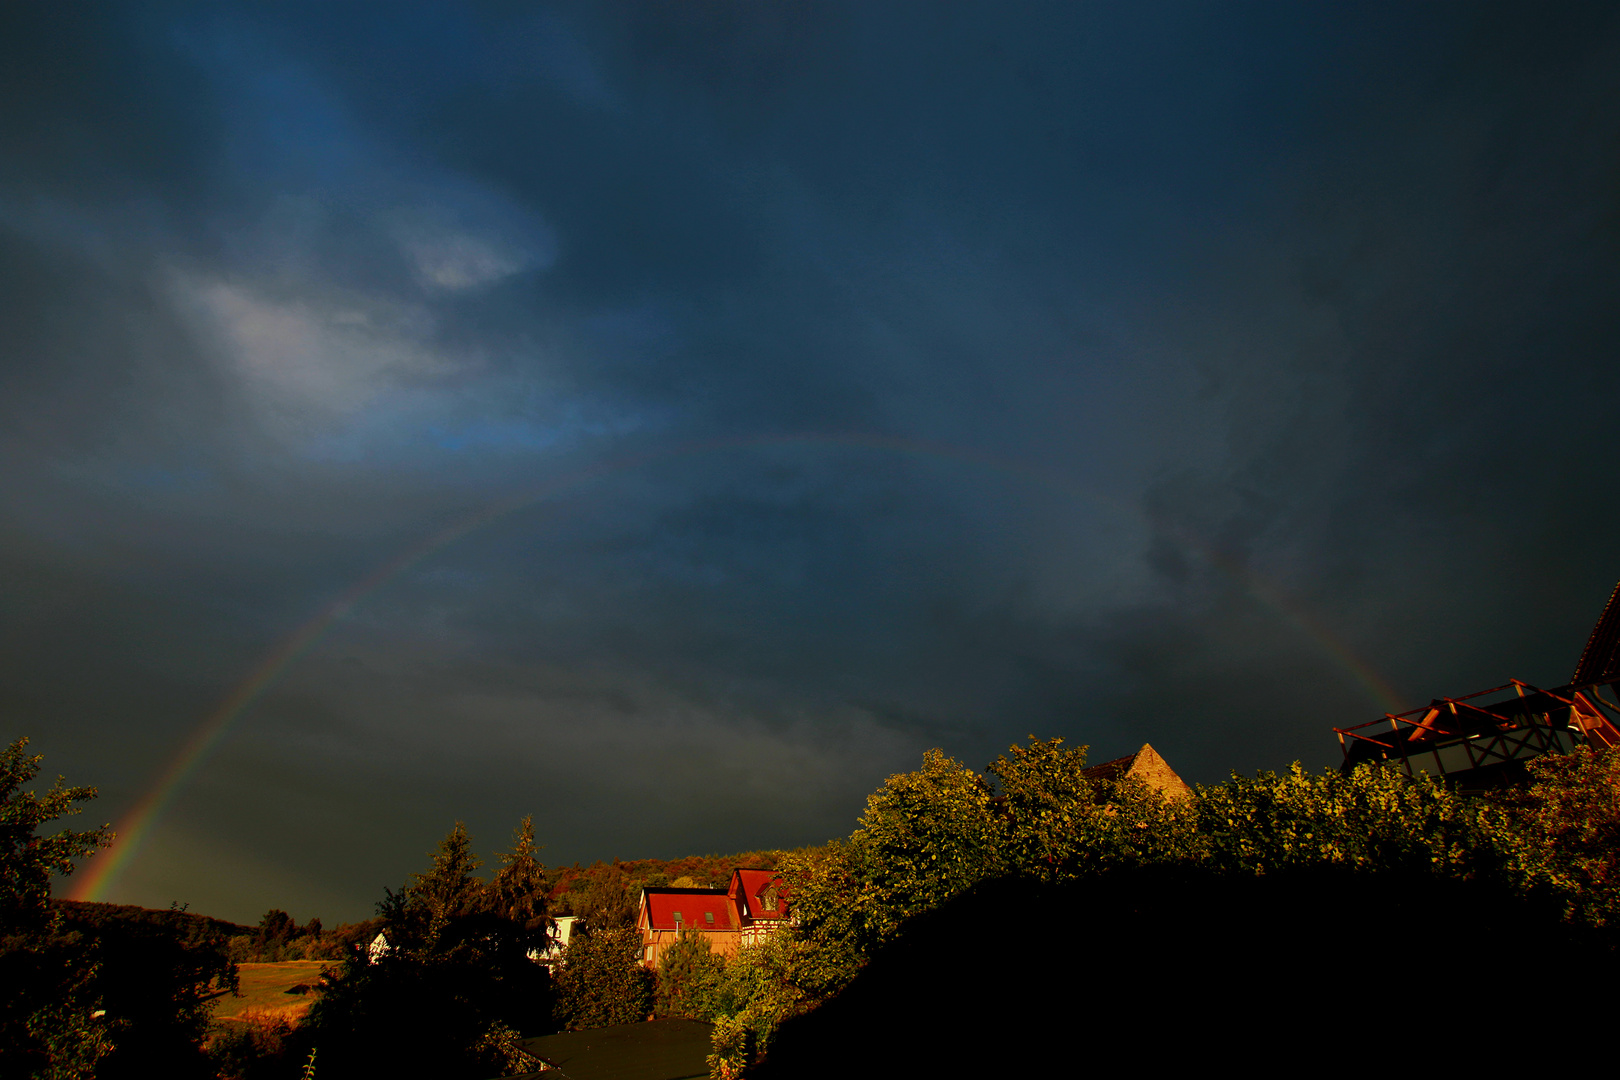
[87, 916]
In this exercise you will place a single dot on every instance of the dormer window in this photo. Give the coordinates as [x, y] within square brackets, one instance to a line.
[768, 898]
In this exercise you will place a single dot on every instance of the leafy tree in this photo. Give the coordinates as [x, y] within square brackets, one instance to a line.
[275, 930]
[1561, 834]
[252, 1050]
[403, 1015]
[763, 985]
[691, 979]
[603, 896]
[276, 925]
[158, 980]
[155, 974]
[1056, 824]
[733, 1041]
[49, 1000]
[826, 885]
[925, 836]
[1265, 855]
[48, 992]
[1371, 819]
[601, 981]
[1176, 960]
[27, 861]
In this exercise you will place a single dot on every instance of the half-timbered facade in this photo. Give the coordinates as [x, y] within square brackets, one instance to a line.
[1482, 740]
[760, 901]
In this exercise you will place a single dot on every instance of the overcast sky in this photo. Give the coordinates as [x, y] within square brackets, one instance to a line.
[709, 407]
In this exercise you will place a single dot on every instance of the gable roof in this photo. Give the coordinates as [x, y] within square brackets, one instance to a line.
[660, 906]
[748, 887]
[1600, 660]
[1147, 766]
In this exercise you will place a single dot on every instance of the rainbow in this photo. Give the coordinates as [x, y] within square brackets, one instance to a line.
[1270, 596]
[137, 824]
[103, 871]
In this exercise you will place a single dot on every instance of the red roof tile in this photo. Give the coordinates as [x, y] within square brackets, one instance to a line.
[692, 905]
[747, 888]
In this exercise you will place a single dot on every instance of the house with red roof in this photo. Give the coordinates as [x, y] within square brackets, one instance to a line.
[749, 909]
[760, 900]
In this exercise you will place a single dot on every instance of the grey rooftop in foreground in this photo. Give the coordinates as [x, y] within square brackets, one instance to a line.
[655, 1050]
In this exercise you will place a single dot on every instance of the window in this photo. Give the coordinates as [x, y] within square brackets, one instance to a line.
[708, 917]
[768, 898]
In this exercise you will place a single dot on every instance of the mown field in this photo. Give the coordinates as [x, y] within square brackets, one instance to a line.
[267, 991]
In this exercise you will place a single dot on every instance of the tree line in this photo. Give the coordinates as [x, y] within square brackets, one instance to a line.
[459, 986]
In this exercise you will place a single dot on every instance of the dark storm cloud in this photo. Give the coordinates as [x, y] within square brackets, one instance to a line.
[884, 377]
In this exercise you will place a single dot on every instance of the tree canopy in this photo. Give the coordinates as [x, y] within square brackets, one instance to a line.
[942, 832]
[458, 983]
[49, 996]
[27, 860]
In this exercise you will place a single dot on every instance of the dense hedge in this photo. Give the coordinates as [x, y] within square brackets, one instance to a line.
[931, 836]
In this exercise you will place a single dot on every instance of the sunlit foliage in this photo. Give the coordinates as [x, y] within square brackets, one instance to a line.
[1055, 824]
[1371, 819]
[1561, 834]
[691, 979]
[932, 834]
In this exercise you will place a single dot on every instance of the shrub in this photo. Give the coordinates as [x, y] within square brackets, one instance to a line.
[601, 981]
[406, 1015]
[733, 1048]
[251, 1049]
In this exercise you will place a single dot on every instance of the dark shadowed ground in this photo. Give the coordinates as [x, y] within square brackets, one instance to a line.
[657, 1050]
[1155, 971]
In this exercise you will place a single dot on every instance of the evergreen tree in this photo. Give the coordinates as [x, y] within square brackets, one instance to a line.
[518, 893]
[459, 984]
[691, 979]
[448, 891]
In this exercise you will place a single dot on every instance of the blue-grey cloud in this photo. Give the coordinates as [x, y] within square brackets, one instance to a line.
[877, 377]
